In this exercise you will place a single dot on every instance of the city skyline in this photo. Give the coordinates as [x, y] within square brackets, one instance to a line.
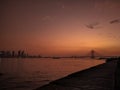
[60, 27]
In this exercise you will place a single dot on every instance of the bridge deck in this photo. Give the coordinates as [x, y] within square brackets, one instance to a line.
[101, 77]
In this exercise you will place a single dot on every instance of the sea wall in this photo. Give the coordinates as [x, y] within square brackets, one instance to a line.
[101, 77]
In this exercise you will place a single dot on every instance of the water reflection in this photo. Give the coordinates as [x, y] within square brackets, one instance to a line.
[31, 73]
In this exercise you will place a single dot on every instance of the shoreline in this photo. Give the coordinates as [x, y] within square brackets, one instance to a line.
[85, 78]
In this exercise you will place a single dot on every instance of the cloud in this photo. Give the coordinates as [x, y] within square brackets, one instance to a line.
[92, 25]
[116, 21]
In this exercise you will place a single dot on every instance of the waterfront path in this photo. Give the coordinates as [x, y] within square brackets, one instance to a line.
[101, 77]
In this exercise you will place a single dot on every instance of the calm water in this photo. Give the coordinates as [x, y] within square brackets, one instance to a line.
[28, 74]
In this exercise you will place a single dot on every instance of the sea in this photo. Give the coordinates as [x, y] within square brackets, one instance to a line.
[31, 73]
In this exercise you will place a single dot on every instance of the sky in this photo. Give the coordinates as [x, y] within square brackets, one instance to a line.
[60, 27]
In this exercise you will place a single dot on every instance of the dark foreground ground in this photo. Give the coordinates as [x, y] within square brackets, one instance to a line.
[101, 77]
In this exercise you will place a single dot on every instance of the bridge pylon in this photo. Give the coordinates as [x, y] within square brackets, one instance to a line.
[92, 54]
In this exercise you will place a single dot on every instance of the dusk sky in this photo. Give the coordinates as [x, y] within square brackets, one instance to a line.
[60, 27]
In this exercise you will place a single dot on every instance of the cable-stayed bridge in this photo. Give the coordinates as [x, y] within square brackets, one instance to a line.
[94, 54]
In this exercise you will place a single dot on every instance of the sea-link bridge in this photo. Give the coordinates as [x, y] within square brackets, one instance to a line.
[92, 54]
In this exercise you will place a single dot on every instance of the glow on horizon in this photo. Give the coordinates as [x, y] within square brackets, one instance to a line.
[60, 26]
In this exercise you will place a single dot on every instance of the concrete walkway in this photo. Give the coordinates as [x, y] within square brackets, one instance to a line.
[101, 77]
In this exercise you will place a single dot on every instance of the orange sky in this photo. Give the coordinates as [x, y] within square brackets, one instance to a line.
[60, 27]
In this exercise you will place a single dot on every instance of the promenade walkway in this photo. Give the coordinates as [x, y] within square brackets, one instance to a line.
[101, 77]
